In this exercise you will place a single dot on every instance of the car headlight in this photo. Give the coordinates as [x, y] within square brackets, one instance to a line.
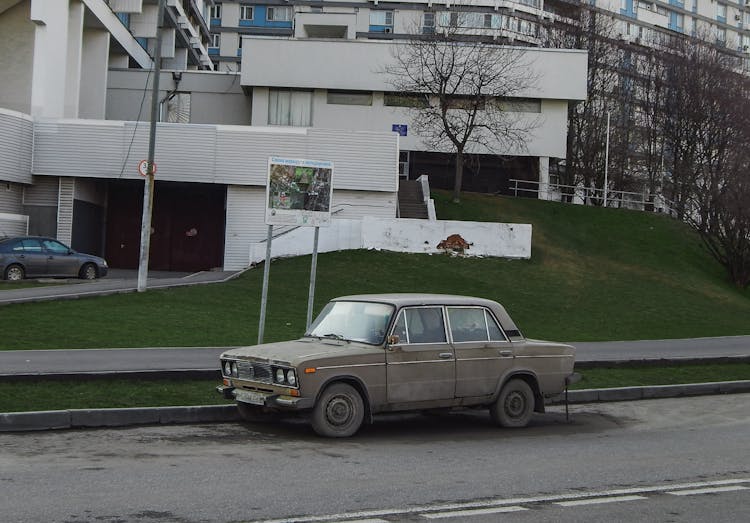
[291, 377]
[227, 369]
[235, 372]
[279, 375]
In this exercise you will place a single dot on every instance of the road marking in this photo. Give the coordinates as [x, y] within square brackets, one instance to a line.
[500, 502]
[475, 512]
[713, 490]
[596, 501]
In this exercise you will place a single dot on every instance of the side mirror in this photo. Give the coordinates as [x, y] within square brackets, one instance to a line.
[393, 339]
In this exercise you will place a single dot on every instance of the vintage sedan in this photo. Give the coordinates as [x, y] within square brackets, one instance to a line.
[376, 353]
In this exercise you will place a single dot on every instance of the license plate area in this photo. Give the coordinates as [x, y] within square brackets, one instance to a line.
[248, 396]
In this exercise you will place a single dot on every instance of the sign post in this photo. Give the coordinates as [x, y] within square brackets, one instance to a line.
[298, 193]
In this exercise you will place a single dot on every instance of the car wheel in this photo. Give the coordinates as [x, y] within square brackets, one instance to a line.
[252, 413]
[15, 273]
[339, 411]
[88, 272]
[514, 406]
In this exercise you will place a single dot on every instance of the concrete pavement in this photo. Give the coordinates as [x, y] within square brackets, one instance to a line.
[83, 361]
[118, 281]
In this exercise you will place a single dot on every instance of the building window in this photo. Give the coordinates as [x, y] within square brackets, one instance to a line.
[279, 14]
[404, 100]
[246, 12]
[289, 107]
[336, 97]
[721, 12]
[215, 40]
[214, 11]
[428, 23]
[521, 105]
[381, 18]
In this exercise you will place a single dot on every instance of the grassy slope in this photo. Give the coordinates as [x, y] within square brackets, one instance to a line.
[595, 274]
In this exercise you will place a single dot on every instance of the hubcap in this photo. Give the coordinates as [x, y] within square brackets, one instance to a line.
[15, 274]
[339, 410]
[515, 404]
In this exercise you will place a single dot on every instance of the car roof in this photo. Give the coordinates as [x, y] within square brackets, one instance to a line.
[412, 299]
[415, 298]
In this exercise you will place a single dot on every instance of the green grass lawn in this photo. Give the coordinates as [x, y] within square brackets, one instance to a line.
[594, 274]
[122, 393]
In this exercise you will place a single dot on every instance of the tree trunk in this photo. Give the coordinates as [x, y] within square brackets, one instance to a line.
[459, 176]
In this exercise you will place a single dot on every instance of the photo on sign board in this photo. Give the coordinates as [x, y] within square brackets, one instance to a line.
[299, 192]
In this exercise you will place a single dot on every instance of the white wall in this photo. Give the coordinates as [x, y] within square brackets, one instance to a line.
[358, 65]
[505, 240]
[16, 55]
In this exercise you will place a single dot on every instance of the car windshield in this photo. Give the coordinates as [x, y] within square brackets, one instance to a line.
[353, 321]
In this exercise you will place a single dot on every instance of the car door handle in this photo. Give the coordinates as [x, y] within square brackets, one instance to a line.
[506, 353]
[445, 355]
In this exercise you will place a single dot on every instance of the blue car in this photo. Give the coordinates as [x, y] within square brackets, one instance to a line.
[34, 257]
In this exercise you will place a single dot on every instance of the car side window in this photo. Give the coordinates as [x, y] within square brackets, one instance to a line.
[31, 246]
[14, 246]
[496, 334]
[467, 324]
[425, 325]
[56, 247]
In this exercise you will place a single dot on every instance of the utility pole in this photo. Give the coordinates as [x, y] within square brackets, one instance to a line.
[148, 186]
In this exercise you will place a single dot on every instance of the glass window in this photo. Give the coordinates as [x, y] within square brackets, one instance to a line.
[214, 11]
[279, 14]
[290, 107]
[404, 100]
[246, 12]
[356, 321]
[467, 324]
[381, 17]
[428, 20]
[721, 10]
[215, 39]
[522, 105]
[496, 334]
[31, 246]
[55, 246]
[425, 325]
[349, 97]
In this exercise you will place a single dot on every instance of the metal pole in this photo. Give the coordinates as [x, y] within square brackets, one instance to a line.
[313, 270]
[606, 162]
[148, 186]
[264, 294]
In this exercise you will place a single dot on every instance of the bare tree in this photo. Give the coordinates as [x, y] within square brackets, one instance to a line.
[466, 87]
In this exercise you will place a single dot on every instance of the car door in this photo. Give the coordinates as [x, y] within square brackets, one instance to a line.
[32, 256]
[421, 366]
[483, 353]
[60, 261]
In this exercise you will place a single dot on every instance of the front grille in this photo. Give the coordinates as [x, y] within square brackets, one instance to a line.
[254, 371]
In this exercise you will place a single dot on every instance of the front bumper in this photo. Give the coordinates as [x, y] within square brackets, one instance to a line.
[273, 401]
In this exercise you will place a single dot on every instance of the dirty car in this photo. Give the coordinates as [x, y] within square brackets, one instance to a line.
[374, 353]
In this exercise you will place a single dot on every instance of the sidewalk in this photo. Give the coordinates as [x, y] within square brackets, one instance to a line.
[116, 282]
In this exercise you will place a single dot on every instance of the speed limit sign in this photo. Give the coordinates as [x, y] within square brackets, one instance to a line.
[143, 167]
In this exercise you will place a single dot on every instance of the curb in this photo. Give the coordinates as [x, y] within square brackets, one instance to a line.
[91, 418]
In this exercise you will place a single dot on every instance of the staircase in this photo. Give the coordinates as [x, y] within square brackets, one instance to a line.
[411, 203]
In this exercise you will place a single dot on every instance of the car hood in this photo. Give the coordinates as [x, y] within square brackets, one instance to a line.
[296, 351]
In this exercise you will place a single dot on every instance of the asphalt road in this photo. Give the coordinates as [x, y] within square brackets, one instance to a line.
[200, 358]
[659, 460]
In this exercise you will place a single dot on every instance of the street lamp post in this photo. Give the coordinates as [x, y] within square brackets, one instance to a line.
[606, 162]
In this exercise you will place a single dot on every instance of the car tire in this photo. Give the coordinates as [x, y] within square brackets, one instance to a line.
[15, 272]
[88, 272]
[514, 406]
[339, 412]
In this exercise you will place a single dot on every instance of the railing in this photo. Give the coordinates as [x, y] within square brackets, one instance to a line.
[578, 194]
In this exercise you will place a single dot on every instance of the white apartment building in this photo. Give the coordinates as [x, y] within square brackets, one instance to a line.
[523, 21]
[339, 84]
[74, 100]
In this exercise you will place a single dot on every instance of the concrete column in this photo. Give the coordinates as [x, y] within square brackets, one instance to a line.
[543, 193]
[73, 67]
[50, 57]
[93, 88]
